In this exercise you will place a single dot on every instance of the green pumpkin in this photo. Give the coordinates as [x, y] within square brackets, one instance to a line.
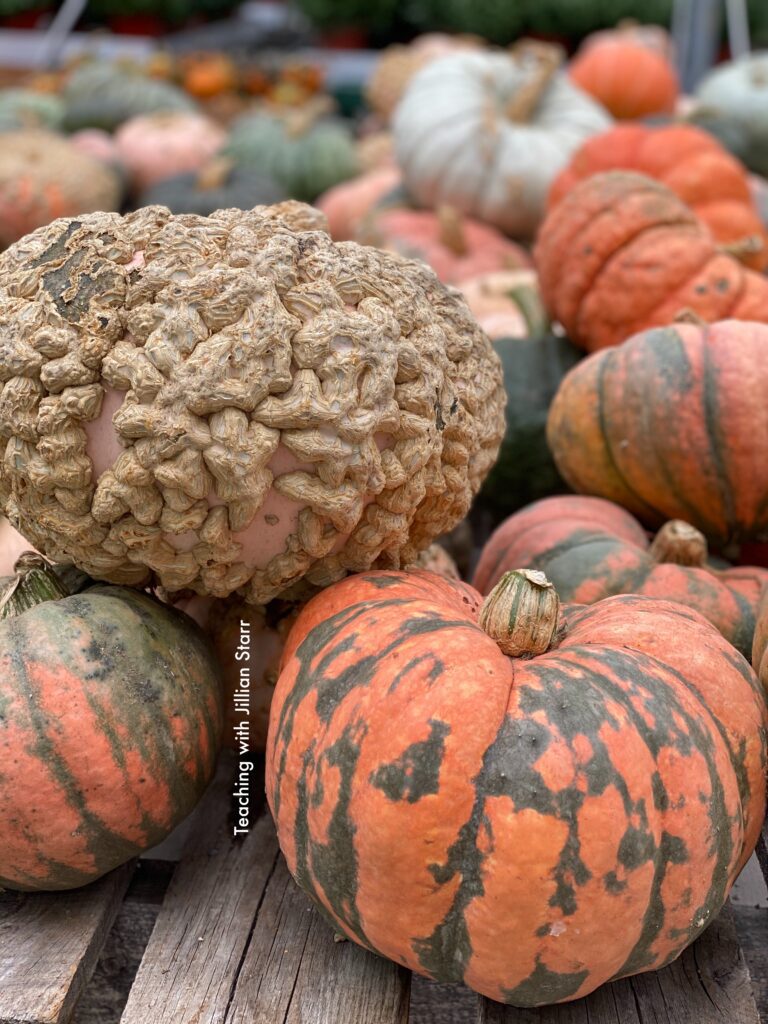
[236, 188]
[733, 105]
[525, 470]
[26, 109]
[305, 156]
[101, 95]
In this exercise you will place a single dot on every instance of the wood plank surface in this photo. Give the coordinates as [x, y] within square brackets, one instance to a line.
[295, 973]
[708, 984]
[49, 945]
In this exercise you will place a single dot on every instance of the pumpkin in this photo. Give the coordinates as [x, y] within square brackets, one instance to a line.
[590, 549]
[205, 75]
[98, 144]
[672, 425]
[43, 176]
[688, 161]
[732, 102]
[28, 109]
[760, 642]
[375, 151]
[106, 744]
[486, 133]
[506, 303]
[154, 147]
[535, 824]
[235, 403]
[651, 37]
[454, 246]
[102, 95]
[12, 544]
[626, 77]
[219, 185]
[622, 234]
[305, 155]
[347, 204]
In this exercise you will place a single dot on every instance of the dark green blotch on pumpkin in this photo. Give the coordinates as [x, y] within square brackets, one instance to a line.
[545, 986]
[416, 773]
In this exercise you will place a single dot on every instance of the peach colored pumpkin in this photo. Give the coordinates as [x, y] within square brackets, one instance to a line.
[347, 204]
[12, 544]
[153, 147]
[96, 143]
[456, 247]
[506, 303]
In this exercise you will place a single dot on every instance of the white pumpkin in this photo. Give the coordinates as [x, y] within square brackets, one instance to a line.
[487, 132]
[735, 95]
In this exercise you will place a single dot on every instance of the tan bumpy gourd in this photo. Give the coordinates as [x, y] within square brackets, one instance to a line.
[235, 403]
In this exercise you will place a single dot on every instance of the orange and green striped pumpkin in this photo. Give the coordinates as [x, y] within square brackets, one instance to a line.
[591, 549]
[110, 723]
[532, 827]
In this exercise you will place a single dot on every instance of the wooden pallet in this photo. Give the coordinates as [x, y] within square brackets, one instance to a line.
[236, 942]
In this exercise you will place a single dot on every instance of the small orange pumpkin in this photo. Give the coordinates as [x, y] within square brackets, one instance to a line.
[626, 76]
[205, 75]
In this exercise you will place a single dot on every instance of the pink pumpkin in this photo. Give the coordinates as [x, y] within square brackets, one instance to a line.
[506, 303]
[12, 544]
[456, 247]
[153, 147]
[96, 143]
[347, 204]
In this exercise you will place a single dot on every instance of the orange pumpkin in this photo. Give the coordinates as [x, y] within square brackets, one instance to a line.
[205, 75]
[688, 161]
[346, 205]
[628, 78]
[622, 253]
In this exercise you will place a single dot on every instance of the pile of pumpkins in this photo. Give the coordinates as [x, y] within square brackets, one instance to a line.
[256, 424]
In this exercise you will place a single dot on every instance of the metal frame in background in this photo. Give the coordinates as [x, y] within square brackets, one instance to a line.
[696, 34]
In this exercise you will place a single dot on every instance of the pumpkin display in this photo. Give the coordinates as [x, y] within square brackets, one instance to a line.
[689, 162]
[506, 303]
[235, 403]
[525, 470]
[304, 154]
[106, 746]
[591, 549]
[672, 425]
[535, 825]
[218, 185]
[153, 147]
[205, 75]
[346, 205]
[102, 95]
[28, 109]
[43, 176]
[455, 247]
[623, 234]
[486, 133]
[627, 77]
[732, 103]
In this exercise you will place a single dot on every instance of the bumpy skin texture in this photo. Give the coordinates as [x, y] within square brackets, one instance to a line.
[231, 337]
[110, 722]
[688, 161]
[591, 549]
[532, 828]
[672, 425]
[622, 234]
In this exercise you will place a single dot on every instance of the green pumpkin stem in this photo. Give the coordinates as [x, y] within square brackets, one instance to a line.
[522, 613]
[528, 300]
[33, 583]
[679, 543]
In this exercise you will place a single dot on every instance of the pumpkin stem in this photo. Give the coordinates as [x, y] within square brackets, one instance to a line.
[522, 613]
[742, 246]
[679, 543]
[215, 173]
[689, 316]
[544, 59]
[452, 233]
[528, 300]
[33, 583]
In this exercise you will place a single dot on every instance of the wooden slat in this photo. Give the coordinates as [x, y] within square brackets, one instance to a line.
[49, 945]
[708, 984]
[294, 972]
[191, 963]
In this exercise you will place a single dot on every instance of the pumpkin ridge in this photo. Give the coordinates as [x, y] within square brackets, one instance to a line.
[714, 436]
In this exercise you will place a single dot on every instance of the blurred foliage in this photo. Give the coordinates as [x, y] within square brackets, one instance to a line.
[172, 11]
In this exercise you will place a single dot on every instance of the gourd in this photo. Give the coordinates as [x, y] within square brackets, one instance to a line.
[506, 303]
[591, 549]
[732, 102]
[537, 823]
[627, 77]
[346, 205]
[622, 234]
[106, 744]
[103, 95]
[27, 109]
[218, 185]
[205, 75]
[693, 165]
[610, 435]
[153, 147]
[486, 133]
[43, 176]
[281, 411]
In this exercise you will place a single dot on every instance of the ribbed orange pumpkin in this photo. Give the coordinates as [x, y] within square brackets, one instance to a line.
[673, 424]
[628, 78]
[591, 549]
[622, 253]
[533, 826]
[760, 643]
[690, 162]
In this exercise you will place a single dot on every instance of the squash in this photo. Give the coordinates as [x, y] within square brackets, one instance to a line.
[236, 403]
[347, 204]
[486, 133]
[110, 728]
[532, 825]
[153, 147]
[28, 109]
[102, 95]
[689, 162]
[204, 75]
[591, 549]
[98, 144]
[506, 303]
[12, 545]
[672, 425]
[455, 247]
[622, 234]
[732, 102]
[218, 185]
[760, 642]
[627, 77]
